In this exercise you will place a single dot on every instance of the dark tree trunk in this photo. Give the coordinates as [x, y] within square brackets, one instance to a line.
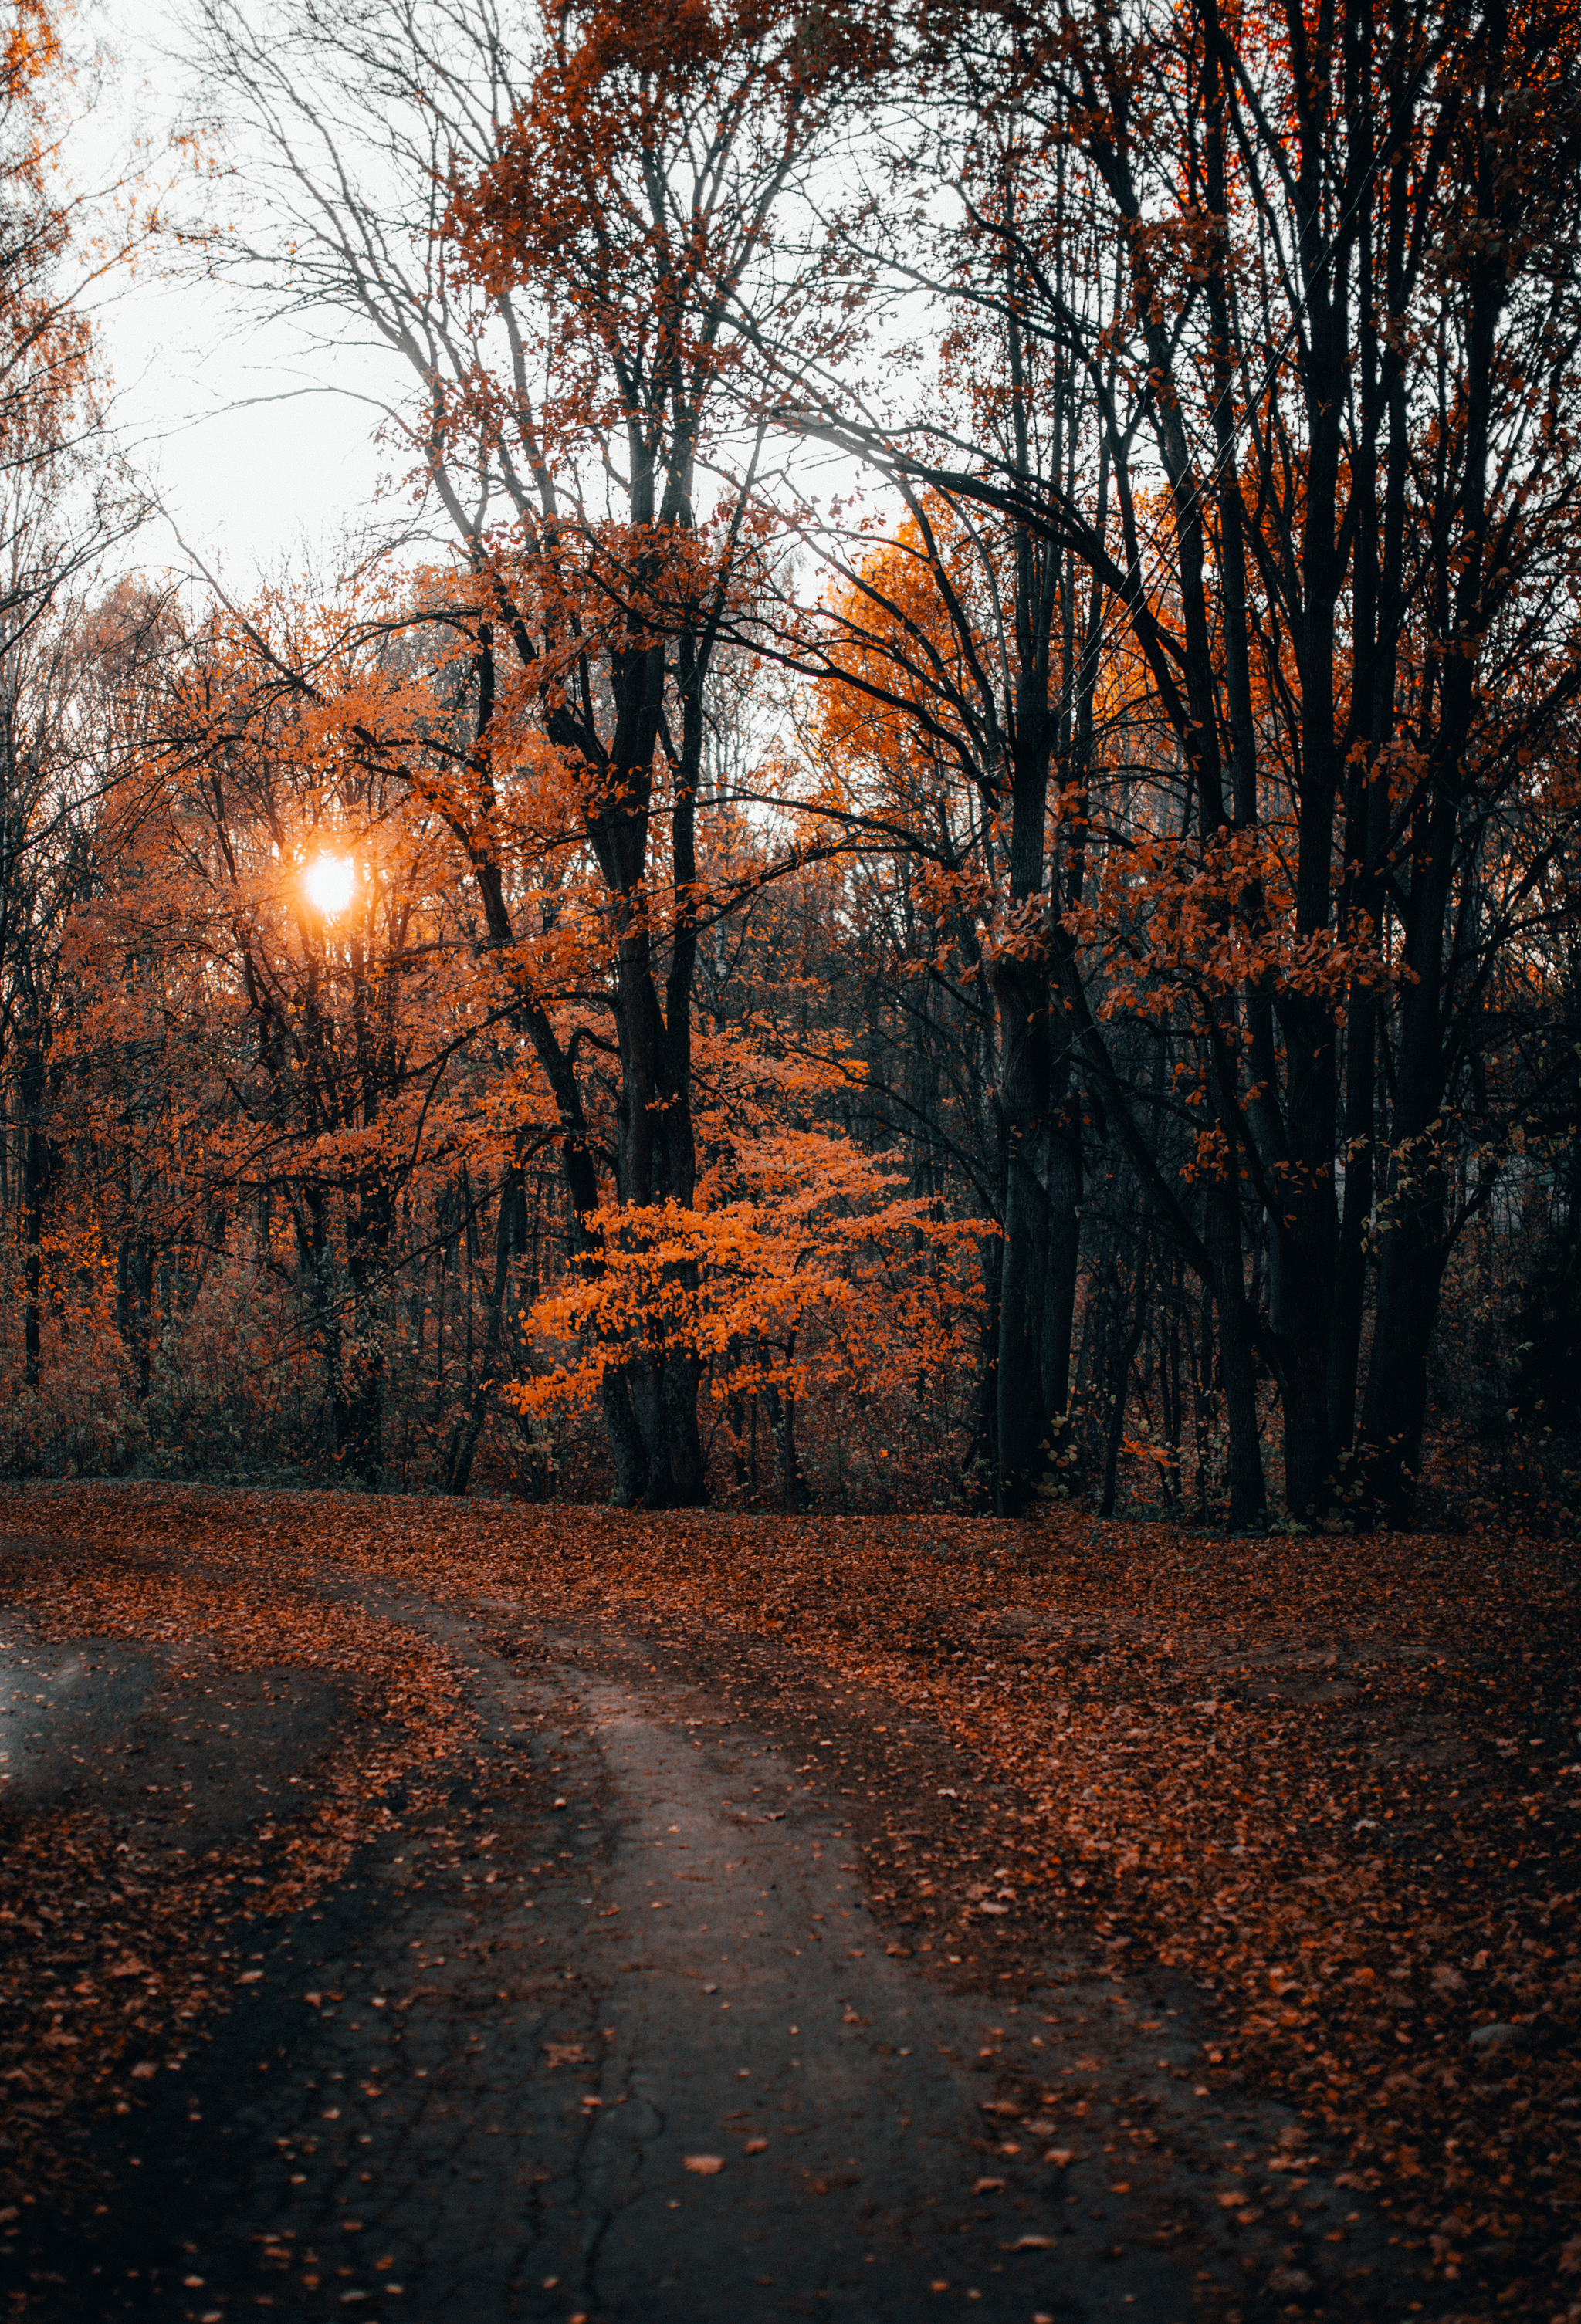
[362, 1388]
[1237, 1360]
[315, 1273]
[35, 1178]
[1022, 992]
[133, 1300]
[985, 1456]
[1064, 1244]
[789, 1468]
[1301, 1262]
[468, 1428]
[1169, 1377]
[1350, 1269]
[1412, 1265]
[1120, 1386]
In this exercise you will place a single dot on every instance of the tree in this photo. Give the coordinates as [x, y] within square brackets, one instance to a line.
[573, 323]
[1343, 330]
[64, 503]
[956, 684]
[1145, 866]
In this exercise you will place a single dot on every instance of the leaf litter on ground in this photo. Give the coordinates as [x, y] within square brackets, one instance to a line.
[1329, 1781]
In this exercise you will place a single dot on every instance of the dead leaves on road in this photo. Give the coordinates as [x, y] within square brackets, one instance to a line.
[88, 1898]
[1332, 1781]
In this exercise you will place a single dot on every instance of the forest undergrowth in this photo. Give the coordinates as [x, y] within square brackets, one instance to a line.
[1331, 1783]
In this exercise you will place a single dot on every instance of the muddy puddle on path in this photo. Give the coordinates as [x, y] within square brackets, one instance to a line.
[614, 2036]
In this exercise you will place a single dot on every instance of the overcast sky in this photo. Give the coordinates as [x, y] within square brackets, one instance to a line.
[261, 452]
[255, 472]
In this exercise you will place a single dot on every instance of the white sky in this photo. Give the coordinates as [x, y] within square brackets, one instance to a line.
[261, 451]
[255, 472]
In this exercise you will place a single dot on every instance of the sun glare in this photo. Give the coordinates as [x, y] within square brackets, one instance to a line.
[329, 880]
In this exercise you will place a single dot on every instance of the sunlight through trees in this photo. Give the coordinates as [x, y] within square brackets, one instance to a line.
[931, 860]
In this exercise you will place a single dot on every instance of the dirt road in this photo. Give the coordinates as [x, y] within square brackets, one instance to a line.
[608, 2029]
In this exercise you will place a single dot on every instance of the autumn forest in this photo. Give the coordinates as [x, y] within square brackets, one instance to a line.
[924, 855]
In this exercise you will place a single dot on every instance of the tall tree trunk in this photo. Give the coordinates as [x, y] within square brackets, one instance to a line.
[1237, 1362]
[790, 1463]
[1350, 1269]
[367, 1240]
[983, 1465]
[315, 1273]
[1064, 1243]
[34, 1179]
[1411, 1264]
[1022, 993]
[1121, 1382]
[1301, 1261]
[468, 1427]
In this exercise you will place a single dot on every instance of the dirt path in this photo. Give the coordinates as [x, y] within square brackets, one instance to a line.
[611, 2032]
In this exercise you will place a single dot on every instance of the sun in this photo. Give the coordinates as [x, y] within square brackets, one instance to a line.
[328, 881]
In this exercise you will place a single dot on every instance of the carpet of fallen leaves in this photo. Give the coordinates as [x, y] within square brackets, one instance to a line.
[114, 1949]
[1330, 1781]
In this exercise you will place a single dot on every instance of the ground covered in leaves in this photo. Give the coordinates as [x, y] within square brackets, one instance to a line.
[1330, 1783]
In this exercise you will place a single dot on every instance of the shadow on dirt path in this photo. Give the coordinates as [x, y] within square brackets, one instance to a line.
[612, 2033]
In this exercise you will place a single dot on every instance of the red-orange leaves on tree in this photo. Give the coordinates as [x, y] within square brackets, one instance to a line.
[772, 1290]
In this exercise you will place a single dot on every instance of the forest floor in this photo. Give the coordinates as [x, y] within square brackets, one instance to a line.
[466, 1911]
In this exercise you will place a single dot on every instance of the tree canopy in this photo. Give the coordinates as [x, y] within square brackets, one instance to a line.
[936, 864]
